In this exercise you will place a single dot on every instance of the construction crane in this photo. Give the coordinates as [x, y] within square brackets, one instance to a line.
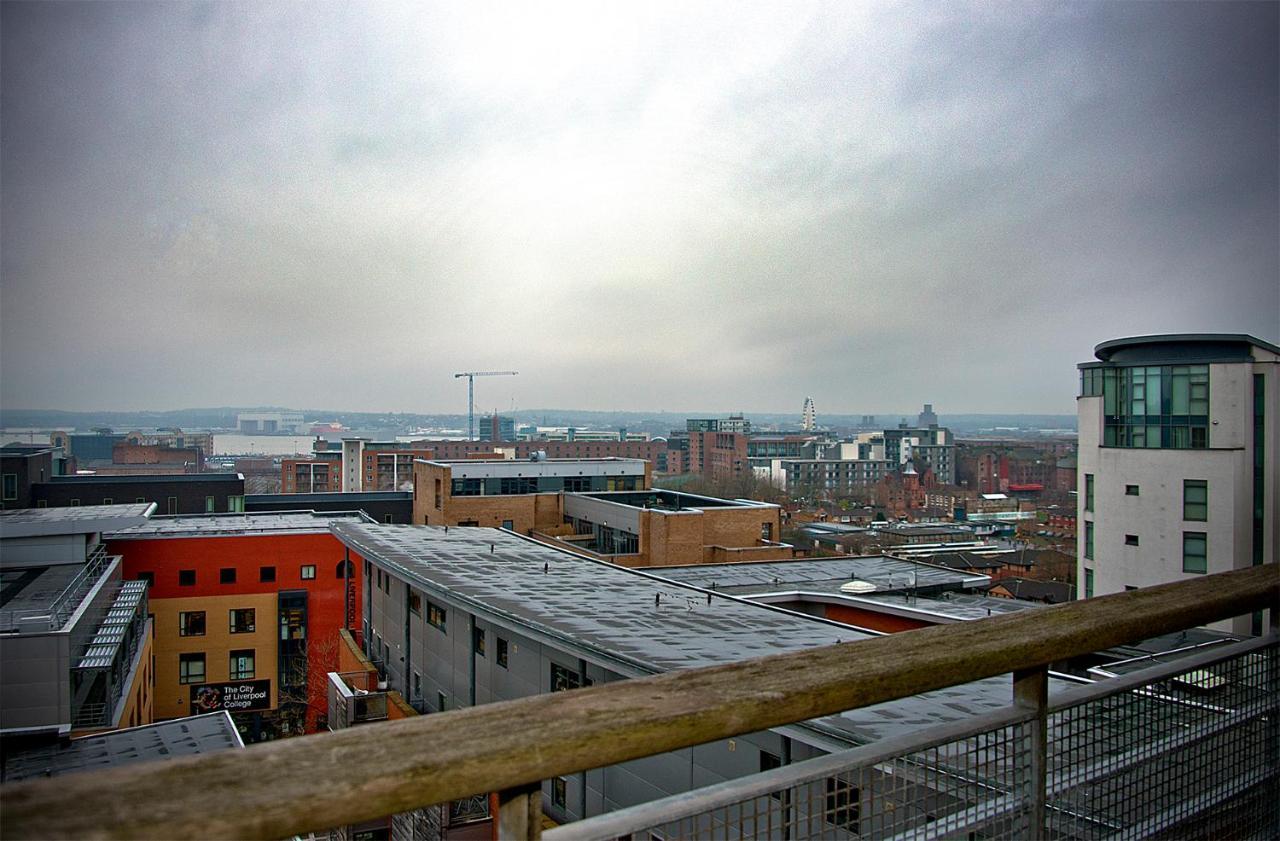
[471, 395]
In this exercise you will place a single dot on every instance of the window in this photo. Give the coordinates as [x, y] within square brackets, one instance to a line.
[501, 656]
[141, 499]
[1088, 492]
[563, 679]
[843, 804]
[106, 500]
[147, 576]
[266, 574]
[1130, 490]
[345, 570]
[243, 620]
[477, 641]
[191, 623]
[417, 685]
[75, 502]
[442, 701]
[186, 578]
[436, 616]
[1195, 551]
[227, 575]
[173, 505]
[209, 505]
[235, 504]
[1088, 539]
[1088, 583]
[415, 603]
[242, 664]
[1195, 500]
[386, 518]
[11, 486]
[308, 572]
[559, 792]
[508, 524]
[191, 668]
[1130, 540]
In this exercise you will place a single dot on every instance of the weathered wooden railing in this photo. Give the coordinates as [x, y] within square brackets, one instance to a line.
[309, 784]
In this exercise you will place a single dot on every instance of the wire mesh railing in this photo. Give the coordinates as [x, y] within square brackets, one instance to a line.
[1184, 749]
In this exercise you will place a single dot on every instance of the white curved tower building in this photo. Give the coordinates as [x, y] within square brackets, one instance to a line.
[1178, 461]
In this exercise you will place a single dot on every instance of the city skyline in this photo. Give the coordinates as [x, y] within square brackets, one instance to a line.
[216, 204]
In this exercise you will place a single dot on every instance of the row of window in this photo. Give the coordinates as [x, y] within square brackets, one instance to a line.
[241, 620]
[1195, 497]
[230, 575]
[191, 667]
[235, 504]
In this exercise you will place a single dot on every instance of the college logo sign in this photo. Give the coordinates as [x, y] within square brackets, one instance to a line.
[238, 696]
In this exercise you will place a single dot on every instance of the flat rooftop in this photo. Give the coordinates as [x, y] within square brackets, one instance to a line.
[658, 500]
[953, 606]
[78, 519]
[509, 468]
[632, 621]
[144, 479]
[208, 733]
[301, 500]
[34, 588]
[820, 575]
[230, 525]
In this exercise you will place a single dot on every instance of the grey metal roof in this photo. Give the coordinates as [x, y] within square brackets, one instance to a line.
[226, 525]
[632, 621]
[964, 606]
[825, 575]
[209, 733]
[79, 519]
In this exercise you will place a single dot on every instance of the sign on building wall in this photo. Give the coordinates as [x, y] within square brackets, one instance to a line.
[238, 696]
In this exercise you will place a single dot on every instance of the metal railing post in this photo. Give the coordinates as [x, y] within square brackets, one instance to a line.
[520, 813]
[1031, 691]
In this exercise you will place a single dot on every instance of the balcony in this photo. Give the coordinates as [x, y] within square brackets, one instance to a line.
[1181, 747]
[355, 698]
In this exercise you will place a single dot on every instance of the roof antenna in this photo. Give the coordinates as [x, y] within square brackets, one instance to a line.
[490, 548]
[657, 599]
[546, 567]
[446, 528]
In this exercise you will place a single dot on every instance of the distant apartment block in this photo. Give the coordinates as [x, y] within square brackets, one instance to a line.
[353, 465]
[1178, 461]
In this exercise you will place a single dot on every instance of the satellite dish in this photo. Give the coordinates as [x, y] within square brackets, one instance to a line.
[858, 587]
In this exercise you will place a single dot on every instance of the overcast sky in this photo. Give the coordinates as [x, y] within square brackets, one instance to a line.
[679, 206]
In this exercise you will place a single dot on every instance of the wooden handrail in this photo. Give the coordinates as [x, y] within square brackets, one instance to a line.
[309, 784]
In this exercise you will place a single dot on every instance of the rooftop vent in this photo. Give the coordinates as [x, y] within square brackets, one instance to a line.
[856, 586]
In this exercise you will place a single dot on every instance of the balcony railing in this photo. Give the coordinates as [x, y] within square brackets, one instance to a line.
[1083, 763]
[63, 605]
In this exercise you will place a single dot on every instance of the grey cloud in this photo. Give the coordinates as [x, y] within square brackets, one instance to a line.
[664, 207]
